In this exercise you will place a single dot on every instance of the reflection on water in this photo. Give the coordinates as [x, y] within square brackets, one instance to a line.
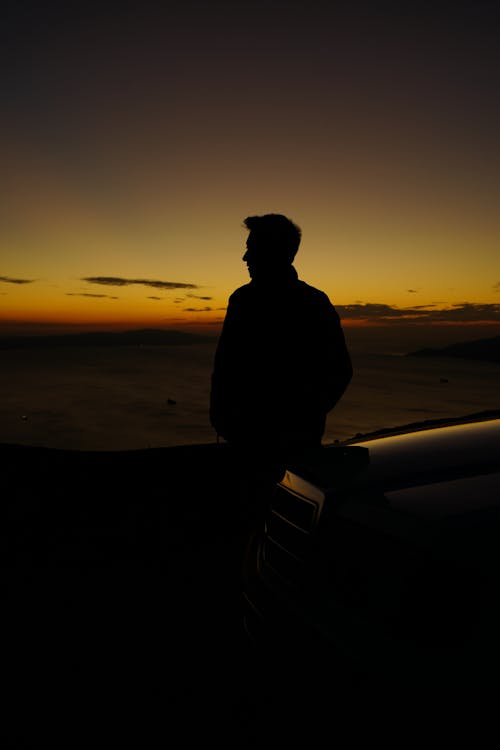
[387, 391]
[121, 398]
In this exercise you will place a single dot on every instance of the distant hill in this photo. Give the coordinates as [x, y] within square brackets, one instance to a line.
[142, 337]
[486, 350]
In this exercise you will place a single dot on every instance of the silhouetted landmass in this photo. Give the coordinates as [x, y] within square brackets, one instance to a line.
[142, 337]
[486, 350]
[120, 592]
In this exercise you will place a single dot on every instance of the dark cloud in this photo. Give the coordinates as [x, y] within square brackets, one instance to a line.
[119, 281]
[154, 297]
[412, 291]
[178, 300]
[469, 312]
[197, 309]
[88, 294]
[466, 312]
[372, 310]
[197, 296]
[9, 280]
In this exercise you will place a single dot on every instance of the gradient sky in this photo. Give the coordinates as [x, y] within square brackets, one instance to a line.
[136, 137]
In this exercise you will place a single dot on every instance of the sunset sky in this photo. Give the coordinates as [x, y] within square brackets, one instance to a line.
[136, 137]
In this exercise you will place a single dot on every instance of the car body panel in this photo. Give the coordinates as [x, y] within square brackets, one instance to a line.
[392, 565]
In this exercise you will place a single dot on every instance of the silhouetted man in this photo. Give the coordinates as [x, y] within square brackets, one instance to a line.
[281, 362]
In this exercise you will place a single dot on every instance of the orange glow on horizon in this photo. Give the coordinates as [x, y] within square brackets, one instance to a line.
[46, 324]
[410, 321]
[210, 325]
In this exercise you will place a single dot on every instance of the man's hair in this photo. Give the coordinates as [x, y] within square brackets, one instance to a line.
[277, 232]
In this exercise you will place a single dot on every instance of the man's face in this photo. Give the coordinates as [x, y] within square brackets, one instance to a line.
[262, 259]
[254, 256]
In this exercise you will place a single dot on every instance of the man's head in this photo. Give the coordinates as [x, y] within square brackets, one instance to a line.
[272, 243]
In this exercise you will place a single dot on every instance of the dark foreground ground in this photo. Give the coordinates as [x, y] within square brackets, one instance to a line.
[121, 604]
[120, 601]
[121, 618]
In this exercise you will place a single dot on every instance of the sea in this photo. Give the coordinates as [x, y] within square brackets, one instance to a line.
[134, 397]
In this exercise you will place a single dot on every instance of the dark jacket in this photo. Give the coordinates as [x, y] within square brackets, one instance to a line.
[280, 366]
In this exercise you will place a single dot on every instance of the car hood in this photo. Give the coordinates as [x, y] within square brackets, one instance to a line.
[431, 454]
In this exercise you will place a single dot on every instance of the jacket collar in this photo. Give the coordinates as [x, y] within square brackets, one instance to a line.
[284, 277]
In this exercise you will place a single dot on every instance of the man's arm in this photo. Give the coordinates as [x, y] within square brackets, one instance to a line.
[337, 361]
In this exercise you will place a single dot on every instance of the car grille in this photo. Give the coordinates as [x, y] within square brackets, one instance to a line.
[289, 527]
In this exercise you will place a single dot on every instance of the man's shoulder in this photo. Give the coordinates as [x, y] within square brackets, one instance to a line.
[300, 290]
[241, 293]
[313, 293]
